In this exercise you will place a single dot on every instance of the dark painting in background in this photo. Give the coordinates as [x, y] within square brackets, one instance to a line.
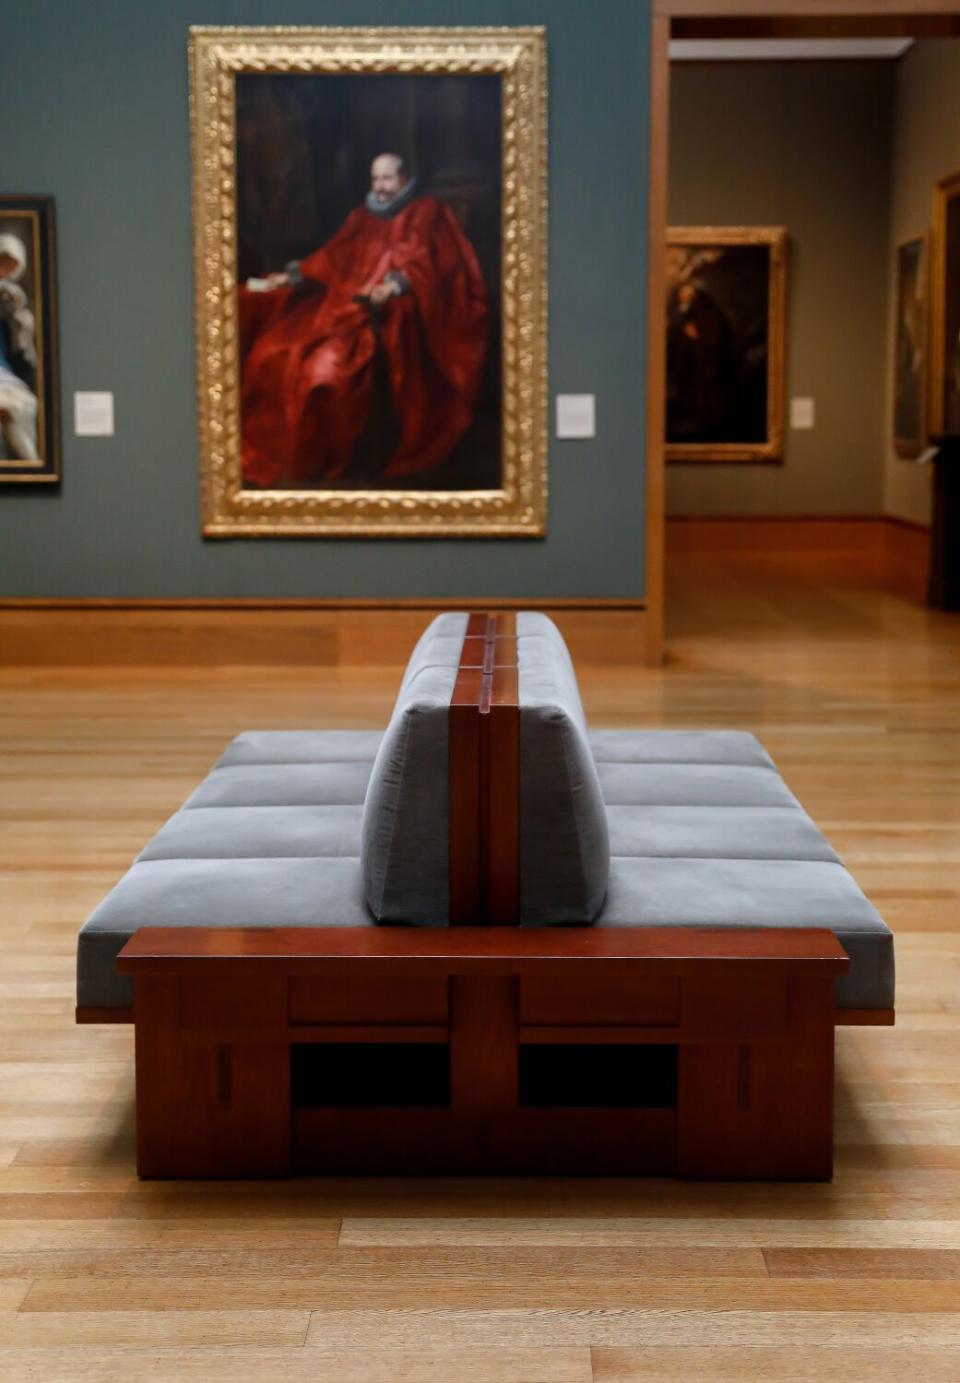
[945, 309]
[376, 402]
[910, 363]
[29, 387]
[725, 343]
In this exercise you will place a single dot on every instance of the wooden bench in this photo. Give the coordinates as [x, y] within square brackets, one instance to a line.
[669, 1051]
[484, 1046]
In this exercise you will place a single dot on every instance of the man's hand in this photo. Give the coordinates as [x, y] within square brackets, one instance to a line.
[383, 291]
[276, 281]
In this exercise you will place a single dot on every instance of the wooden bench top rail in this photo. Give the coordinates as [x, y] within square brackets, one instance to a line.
[484, 782]
[481, 950]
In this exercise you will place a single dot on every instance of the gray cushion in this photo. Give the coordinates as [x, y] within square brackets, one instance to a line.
[692, 785]
[438, 646]
[213, 893]
[404, 844]
[652, 892]
[301, 747]
[774, 833]
[564, 846]
[679, 747]
[283, 785]
[257, 833]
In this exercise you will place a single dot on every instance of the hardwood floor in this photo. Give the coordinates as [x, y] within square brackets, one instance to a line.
[857, 694]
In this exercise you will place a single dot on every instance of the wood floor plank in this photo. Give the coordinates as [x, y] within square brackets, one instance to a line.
[251, 1235]
[32, 1329]
[12, 1292]
[232, 1364]
[364, 1270]
[801, 1365]
[839, 1264]
[736, 1231]
[491, 1286]
[872, 1330]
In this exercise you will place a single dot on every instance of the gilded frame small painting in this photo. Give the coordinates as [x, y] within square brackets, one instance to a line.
[944, 418]
[370, 250]
[726, 324]
[29, 374]
[910, 347]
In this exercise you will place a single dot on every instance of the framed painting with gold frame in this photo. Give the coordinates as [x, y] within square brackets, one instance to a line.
[370, 253]
[944, 413]
[29, 373]
[726, 323]
[912, 276]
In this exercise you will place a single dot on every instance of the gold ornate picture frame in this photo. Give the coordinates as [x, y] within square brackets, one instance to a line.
[726, 335]
[944, 405]
[435, 342]
[29, 356]
[911, 333]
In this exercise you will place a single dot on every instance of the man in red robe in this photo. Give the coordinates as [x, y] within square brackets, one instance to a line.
[399, 275]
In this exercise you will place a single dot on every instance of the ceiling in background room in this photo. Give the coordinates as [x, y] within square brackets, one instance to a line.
[776, 50]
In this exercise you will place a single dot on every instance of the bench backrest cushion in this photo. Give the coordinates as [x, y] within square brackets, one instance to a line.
[564, 845]
[404, 846]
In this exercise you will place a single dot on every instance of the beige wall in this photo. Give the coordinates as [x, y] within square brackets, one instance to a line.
[805, 145]
[926, 145]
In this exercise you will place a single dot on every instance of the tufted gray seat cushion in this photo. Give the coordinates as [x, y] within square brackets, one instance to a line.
[704, 832]
[284, 785]
[685, 892]
[256, 845]
[679, 747]
[301, 747]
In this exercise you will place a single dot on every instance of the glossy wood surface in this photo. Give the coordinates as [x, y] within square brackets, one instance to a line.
[484, 775]
[747, 1029]
[857, 695]
[473, 950]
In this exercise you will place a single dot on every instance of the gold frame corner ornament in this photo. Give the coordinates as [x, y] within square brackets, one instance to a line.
[769, 451]
[518, 56]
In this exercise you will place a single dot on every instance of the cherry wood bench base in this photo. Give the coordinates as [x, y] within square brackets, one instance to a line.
[700, 1053]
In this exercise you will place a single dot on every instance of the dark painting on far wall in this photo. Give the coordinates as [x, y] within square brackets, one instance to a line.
[29, 387]
[945, 309]
[910, 364]
[726, 302]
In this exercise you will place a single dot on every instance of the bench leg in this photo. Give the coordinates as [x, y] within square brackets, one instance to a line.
[762, 1108]
[211, 1099]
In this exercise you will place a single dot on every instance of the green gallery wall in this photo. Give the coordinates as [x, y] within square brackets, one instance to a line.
[93, 100]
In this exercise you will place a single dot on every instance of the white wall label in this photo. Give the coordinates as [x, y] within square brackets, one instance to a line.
[576, 415]
[93, 414]
[803, 414]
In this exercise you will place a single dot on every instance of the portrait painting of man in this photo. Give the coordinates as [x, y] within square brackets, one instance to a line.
[29, 449]
[725, 303]
[368, 383]
[365, 358]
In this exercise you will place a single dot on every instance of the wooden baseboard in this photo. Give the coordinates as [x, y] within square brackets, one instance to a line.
[894, 552]
[302, 633]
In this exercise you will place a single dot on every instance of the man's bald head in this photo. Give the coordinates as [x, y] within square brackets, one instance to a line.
[388, 177]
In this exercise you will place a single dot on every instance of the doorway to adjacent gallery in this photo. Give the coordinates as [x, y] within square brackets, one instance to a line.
[793, 155]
